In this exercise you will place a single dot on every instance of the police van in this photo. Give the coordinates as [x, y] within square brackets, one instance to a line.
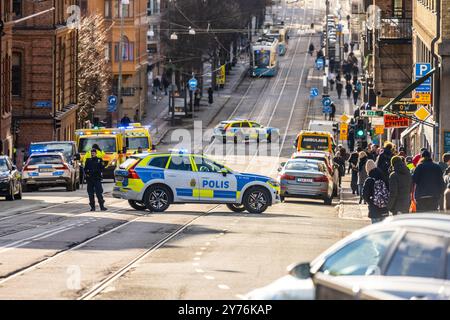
[155, 181]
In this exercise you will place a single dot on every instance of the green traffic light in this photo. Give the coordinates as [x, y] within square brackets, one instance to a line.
[360, 133]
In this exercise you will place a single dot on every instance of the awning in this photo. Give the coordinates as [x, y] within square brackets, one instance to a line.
[408, 131]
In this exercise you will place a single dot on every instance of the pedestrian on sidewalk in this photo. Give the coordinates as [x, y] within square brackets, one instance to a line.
[210, 95]
[362, 174]
[125, 121]
[165, 84]
[333, 111]
[339, 87]
[375, 193]
[384, 159]
[93, 170]
[351, 139]
[400, 183]
[331, 80]
[429, 184]
[348, 89]
[355, 95]
[156, 86]
[311, 49]
[353, 168]
[339, 161]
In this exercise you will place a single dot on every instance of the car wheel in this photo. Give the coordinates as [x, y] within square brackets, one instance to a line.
[256, 200]
[157, 198]
[10, 196]
[236, 207]
[137, 205]
[18, 196]
[328, 201]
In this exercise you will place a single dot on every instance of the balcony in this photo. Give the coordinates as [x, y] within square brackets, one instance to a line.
[395, 29]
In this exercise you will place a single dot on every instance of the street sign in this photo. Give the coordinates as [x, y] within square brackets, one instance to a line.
[112, 100]
[404, 107]
[422, 113]
[421, 70]
[193, 84]
[343, 131]
[319, 64]
[326, 109]
[393, 121]
[326, 102]
[379, 129]
[422, 98]
[112, 107]
[371, 113]
[43, 104]
[314, 92]
[344, 118]
[446, 141]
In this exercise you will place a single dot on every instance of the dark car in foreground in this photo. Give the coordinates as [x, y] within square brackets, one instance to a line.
[404, 257]
[10, 180]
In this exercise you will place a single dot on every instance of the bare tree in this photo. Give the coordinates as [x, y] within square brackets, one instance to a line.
[94, 74]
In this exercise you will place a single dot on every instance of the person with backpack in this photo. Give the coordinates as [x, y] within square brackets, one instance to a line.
[376, 193]
[384, 159]
[429, 183]
[400, 182]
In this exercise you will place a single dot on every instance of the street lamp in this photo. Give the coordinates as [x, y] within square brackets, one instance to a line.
[173, 36]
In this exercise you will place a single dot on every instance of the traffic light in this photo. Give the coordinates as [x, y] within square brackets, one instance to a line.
[360, 130]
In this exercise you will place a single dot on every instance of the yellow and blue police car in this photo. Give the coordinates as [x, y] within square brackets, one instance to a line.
[154, 181]
[240, 130]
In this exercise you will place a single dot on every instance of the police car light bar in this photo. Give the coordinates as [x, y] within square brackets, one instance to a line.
[180, 151]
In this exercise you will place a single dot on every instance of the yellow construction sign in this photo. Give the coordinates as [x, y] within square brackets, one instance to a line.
[379, 129]
[220, 78]
[343, 131]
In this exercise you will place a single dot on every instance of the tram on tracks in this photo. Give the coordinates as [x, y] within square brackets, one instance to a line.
[263, 62]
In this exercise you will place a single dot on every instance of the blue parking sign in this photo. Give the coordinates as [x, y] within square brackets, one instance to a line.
[421, 70]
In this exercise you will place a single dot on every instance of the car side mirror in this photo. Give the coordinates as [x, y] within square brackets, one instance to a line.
[301, 270]
[224, 172]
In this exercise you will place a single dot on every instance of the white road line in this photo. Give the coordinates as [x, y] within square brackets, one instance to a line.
[199, 271]
[240, 296]
[209, 277]
[223, 287]
[198, 253]
[202, 248]
[196, 258]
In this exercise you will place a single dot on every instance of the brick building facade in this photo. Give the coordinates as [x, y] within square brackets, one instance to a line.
[44, 88]
[6, 139]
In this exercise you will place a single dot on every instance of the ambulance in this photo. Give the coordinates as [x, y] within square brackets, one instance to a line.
[111, 143]
[136, 136]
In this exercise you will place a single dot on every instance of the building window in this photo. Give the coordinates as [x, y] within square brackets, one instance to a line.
[128, 50]
[17, 8]
[84, 7]
[108, 51]
[16, 83]
[107, 9]
[127, 9]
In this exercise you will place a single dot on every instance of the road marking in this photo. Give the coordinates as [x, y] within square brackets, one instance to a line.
[240, 296]
[196, 258]
[203, 248]
[209, 277]
[198, 253]
[199, 271]
[223, 287]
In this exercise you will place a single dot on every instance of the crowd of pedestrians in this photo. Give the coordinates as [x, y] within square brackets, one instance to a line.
[388, 180]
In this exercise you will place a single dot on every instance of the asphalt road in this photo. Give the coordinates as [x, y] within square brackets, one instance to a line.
[52, 247]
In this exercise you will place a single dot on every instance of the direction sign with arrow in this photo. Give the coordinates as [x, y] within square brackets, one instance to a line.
[193, 84]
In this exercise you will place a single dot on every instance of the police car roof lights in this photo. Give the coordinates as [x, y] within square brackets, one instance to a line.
[179, 151]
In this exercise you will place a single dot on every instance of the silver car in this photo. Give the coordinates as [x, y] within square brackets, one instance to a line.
[403, 257]
[306, 178]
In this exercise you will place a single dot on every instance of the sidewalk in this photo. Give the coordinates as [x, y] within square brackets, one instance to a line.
[349, 207]
[157, 115]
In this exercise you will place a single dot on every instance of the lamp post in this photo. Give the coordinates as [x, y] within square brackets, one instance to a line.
[119, 81]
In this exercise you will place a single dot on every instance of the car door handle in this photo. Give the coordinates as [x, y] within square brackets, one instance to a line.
[172, 175]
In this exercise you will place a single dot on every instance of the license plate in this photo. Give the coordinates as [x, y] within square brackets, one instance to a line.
[45, 170]
[304, 180]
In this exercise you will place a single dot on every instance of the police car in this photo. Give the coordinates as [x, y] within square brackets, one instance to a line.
[154, 181]
[245, 130]
[49, 169]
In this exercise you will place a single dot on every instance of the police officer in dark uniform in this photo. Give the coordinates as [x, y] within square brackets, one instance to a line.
[93, 171]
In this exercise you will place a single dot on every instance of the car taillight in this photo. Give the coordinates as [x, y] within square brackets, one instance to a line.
[287, 177]
[26, 168]
[321, 179]
[132, 174]
[63, 167]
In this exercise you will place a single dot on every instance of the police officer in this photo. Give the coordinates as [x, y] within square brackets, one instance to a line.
[93, 171]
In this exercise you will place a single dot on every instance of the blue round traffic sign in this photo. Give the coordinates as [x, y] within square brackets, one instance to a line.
[319, 64]
[314, 92]
[193, 84]
[112, 100]
[326, 102]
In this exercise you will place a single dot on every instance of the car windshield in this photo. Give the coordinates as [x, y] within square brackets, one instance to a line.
[45, 159]
[301, 166]
[314, 143]
[311, 158]
[105, 144]
[65, 148]
[136, 142]
[3, 165]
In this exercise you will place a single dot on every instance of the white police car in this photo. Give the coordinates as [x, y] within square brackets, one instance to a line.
[154, 181]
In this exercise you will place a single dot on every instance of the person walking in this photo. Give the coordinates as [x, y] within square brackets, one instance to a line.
[429, 183]
[93, 171]
[340, 162]
[384, 159]
[156, 86]
[125, 121]
[353, 168]
[362, 174]
[210, 95]
[348, 89]
[339, 87]
[311, 49]
[355, 95]
[331, 80]
[375, 193]
[333, 111]
[165, 84]
[400, 183]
